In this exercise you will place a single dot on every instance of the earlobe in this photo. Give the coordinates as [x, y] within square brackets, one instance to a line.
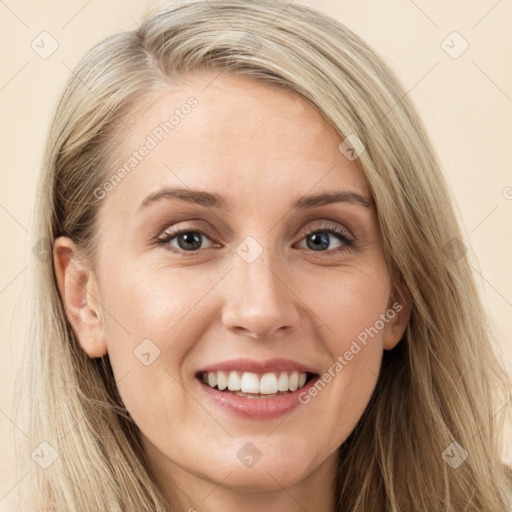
[80, 295]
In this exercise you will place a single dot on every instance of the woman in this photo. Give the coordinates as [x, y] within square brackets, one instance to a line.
[258, 295]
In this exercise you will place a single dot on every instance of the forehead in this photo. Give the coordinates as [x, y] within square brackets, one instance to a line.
[233, 135]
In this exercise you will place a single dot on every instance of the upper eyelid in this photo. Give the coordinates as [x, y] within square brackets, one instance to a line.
[330, 226]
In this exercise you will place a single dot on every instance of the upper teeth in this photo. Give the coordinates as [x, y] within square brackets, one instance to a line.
[249, 382]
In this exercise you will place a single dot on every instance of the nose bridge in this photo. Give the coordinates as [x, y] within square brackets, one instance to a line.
[258, 274]
[258, 300]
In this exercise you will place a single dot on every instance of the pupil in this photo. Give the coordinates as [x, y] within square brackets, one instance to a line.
[192, 237]
[317, 240]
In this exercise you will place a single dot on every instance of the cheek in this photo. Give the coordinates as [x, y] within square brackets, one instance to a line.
[352, 307]
[151, 323]
[151, 304]
[349, 304]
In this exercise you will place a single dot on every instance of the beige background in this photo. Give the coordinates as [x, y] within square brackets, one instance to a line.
[465, 102]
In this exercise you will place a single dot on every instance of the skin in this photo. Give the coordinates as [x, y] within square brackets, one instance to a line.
[261, 148]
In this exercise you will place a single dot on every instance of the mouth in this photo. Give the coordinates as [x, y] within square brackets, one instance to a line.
[254, 385]
[256, 390]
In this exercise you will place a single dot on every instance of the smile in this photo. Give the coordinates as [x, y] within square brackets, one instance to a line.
[256, 390]
[252, 385]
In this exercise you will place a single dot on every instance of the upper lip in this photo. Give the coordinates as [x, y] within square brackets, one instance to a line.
[252, 365]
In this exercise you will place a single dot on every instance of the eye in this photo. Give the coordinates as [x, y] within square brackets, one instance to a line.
[188, 240]
[319, 239]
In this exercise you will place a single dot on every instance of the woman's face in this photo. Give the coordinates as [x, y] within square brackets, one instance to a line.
[268, 281]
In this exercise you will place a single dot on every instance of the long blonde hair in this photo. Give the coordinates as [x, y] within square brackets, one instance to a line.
[441, 385]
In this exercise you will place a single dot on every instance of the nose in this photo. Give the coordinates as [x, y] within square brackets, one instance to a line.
[260, 302]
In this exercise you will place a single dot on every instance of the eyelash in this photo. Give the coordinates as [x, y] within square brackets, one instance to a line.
[333, 229]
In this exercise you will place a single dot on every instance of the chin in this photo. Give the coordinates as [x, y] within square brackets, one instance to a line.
[264, 477]
[263, 470]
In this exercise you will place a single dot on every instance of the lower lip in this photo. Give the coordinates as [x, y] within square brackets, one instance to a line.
[257, 408]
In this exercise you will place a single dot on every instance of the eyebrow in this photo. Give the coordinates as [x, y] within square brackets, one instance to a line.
[214, 200]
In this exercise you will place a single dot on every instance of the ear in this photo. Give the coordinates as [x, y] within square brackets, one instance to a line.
[79, 291]
[397, 313]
